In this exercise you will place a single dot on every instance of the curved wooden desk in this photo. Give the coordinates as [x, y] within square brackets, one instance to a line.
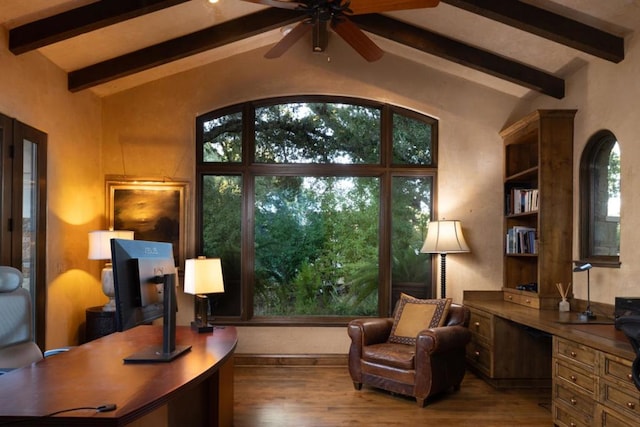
[195, 389]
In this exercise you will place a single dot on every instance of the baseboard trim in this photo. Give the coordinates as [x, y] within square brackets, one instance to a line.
[245, 359]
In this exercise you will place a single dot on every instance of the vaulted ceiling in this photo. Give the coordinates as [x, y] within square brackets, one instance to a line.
[513, 46]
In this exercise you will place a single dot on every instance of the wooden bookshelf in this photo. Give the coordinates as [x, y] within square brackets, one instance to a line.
[538, 152]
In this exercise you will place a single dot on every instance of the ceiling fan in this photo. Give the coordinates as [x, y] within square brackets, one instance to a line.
[317, 14]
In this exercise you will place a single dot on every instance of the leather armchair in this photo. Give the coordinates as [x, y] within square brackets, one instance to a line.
[433, 365]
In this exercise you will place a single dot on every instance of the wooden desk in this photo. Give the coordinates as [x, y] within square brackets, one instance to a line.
[588, 365]
[195, 389]
[553, 322]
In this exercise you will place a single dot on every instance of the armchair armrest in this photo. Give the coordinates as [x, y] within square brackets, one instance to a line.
[442, 339]
[370, 331]
[365, 332]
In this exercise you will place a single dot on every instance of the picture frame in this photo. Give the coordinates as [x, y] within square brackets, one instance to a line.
[154, 210]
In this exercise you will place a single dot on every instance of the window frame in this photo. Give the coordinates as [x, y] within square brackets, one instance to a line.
[599, 141]
[248, 167]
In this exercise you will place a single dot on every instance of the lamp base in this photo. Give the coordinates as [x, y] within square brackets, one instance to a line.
[587, 315]
[200, 327]
[110, 306]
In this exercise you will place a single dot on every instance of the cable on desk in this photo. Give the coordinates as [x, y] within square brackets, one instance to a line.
[102, 408]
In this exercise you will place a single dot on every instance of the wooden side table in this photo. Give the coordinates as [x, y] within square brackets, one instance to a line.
[99, 323]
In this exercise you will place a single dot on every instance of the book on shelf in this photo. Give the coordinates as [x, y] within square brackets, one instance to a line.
[521, 240]
[522, 200]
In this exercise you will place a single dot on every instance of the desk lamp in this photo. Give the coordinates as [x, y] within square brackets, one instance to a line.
[203, 276]
[444, 237]
[100, 248]
[587, 314]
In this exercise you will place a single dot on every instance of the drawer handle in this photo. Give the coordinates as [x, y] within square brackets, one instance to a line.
[630, 377]
[573, 401]
[572, 424]
[528, 301]
[573, 354]
[509, 297]
[476, 354]
[477, 324]
[573, 378]
[631, 405]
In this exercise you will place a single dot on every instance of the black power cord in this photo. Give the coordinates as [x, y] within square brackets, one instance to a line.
[107, 407]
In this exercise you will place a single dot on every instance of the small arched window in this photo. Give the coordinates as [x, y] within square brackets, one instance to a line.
[600, 201]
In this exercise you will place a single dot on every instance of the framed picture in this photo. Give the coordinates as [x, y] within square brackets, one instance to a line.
[153, 210]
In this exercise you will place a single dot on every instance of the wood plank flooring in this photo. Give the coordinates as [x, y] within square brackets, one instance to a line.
[324, 396]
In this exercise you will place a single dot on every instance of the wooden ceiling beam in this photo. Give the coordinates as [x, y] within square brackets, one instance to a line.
[460, 53]
[549, 25]
[80, 20]
[181, 47]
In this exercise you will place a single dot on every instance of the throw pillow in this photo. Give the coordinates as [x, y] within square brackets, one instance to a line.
[412, 315]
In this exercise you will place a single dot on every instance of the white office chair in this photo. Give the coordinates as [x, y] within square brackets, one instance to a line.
[17, 345]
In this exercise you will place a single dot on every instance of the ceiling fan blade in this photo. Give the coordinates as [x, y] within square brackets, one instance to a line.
[357, 39]
[360, 7]
[288, 40]
[282, 4]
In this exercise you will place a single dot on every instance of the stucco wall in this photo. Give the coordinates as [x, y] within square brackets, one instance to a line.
[150, 130]
[606, 96]
[33, 91]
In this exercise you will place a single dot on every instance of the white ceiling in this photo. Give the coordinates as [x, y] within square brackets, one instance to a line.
[619, 17]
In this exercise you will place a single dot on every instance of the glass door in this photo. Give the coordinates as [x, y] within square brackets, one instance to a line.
[23, 230]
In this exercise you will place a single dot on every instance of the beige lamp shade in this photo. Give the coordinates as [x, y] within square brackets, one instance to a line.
[203, 276]
[444, 237]
[100, 242]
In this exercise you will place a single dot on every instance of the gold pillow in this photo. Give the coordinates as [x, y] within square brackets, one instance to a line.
[413, 315]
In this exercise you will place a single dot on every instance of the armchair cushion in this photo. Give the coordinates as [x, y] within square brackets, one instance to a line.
[413, 315]
[397, 355]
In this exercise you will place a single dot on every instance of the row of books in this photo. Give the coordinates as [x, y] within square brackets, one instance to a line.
[521, 240]
[521, 200]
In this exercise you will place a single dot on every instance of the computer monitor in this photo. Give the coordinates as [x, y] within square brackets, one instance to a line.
[144, 276]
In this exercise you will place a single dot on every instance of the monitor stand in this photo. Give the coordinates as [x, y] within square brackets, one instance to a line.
[169, 350]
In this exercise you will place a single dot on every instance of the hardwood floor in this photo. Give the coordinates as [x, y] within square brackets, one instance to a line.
[324, 396]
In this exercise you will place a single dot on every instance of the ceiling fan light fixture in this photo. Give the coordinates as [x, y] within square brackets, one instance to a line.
[317, 14]
[320, 37]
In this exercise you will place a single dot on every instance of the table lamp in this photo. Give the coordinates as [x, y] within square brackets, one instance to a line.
[203, 276]
[100, 248]
[587, 314]
[444, 237]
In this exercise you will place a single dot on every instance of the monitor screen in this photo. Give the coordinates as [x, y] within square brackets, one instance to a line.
[138, 270]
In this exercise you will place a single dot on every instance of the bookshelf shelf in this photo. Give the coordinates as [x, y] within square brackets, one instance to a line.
[527, 174]
[538, 194]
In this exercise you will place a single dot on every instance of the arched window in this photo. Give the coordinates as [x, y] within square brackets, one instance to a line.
[317, 206]
[600, 201]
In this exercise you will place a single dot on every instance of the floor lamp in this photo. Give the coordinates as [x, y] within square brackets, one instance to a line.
[444, 237]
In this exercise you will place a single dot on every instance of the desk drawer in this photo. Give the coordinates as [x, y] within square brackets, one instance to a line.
[623, 400]
[479, 356]
[565, 416]
[480, 324]
[584, 380]
[573, 398]
[526, 300]
[576, 353]
[617, 370]
[605, 417]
